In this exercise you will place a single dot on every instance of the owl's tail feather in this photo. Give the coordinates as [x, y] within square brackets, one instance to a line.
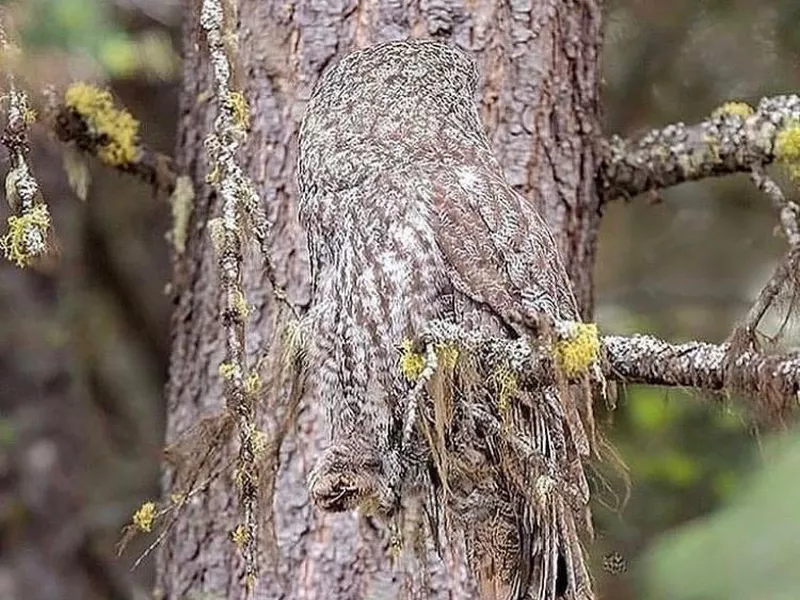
[513, 480]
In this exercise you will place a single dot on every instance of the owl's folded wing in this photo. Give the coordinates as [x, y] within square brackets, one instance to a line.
[499, 250]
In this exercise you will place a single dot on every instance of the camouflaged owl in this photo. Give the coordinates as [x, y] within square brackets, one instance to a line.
[409, 220]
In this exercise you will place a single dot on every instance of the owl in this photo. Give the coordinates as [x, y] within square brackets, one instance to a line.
[410, 220]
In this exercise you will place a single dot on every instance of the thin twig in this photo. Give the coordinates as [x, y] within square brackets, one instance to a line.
[237, 194]
[788, 213]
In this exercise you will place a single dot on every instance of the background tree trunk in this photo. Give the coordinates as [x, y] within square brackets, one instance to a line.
[539, 63]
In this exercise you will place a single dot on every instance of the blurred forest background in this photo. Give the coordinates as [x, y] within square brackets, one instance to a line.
[84, 350]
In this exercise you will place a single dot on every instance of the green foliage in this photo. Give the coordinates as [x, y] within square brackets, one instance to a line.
[8, 433]
[90, 28]
[748, 550]
[666, 439]
[685, 455]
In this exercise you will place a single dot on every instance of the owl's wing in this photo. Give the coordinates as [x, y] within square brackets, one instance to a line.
[498, 248]
[500, 253]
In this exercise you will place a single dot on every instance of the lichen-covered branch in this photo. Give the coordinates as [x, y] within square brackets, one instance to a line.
[29, 227]
[238, 201]
[87, 117]
[773, 381]
[735, 138]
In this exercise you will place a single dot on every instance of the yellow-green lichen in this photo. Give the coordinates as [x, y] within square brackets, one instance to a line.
[787, 148]
[144, 517]
[738, 109]
[241, 112]
[27, 236]
[412, 364]
[506, 384]
[260, 443]
[252, 383]
[117, 127]
[228, 370]
[447, 354]
[29, 115]
[239, 536]
[240, 303]
[212, 177]
[577, 352]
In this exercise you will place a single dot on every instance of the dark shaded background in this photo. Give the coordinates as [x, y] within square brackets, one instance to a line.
[84, 351]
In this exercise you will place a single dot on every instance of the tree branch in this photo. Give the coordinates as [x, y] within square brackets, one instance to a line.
[735, 138]
[72, 126]
[240, 208]
[647, 359]
[771, 380]
[787, 269]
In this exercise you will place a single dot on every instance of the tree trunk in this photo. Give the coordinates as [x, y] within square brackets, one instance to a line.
[539, 62]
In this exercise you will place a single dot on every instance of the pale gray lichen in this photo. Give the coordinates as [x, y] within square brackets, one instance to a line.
[728, 141]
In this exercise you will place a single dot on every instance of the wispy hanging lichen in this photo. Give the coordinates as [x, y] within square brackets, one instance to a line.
[506, 383]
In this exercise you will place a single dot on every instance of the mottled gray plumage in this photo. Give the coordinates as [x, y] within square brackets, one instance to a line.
[410, 219]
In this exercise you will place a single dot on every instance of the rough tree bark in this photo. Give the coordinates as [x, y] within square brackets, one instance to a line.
[540, 103]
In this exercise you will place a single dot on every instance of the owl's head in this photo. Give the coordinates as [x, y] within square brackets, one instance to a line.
[411, 67]
[388, 104]
[352, 475]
